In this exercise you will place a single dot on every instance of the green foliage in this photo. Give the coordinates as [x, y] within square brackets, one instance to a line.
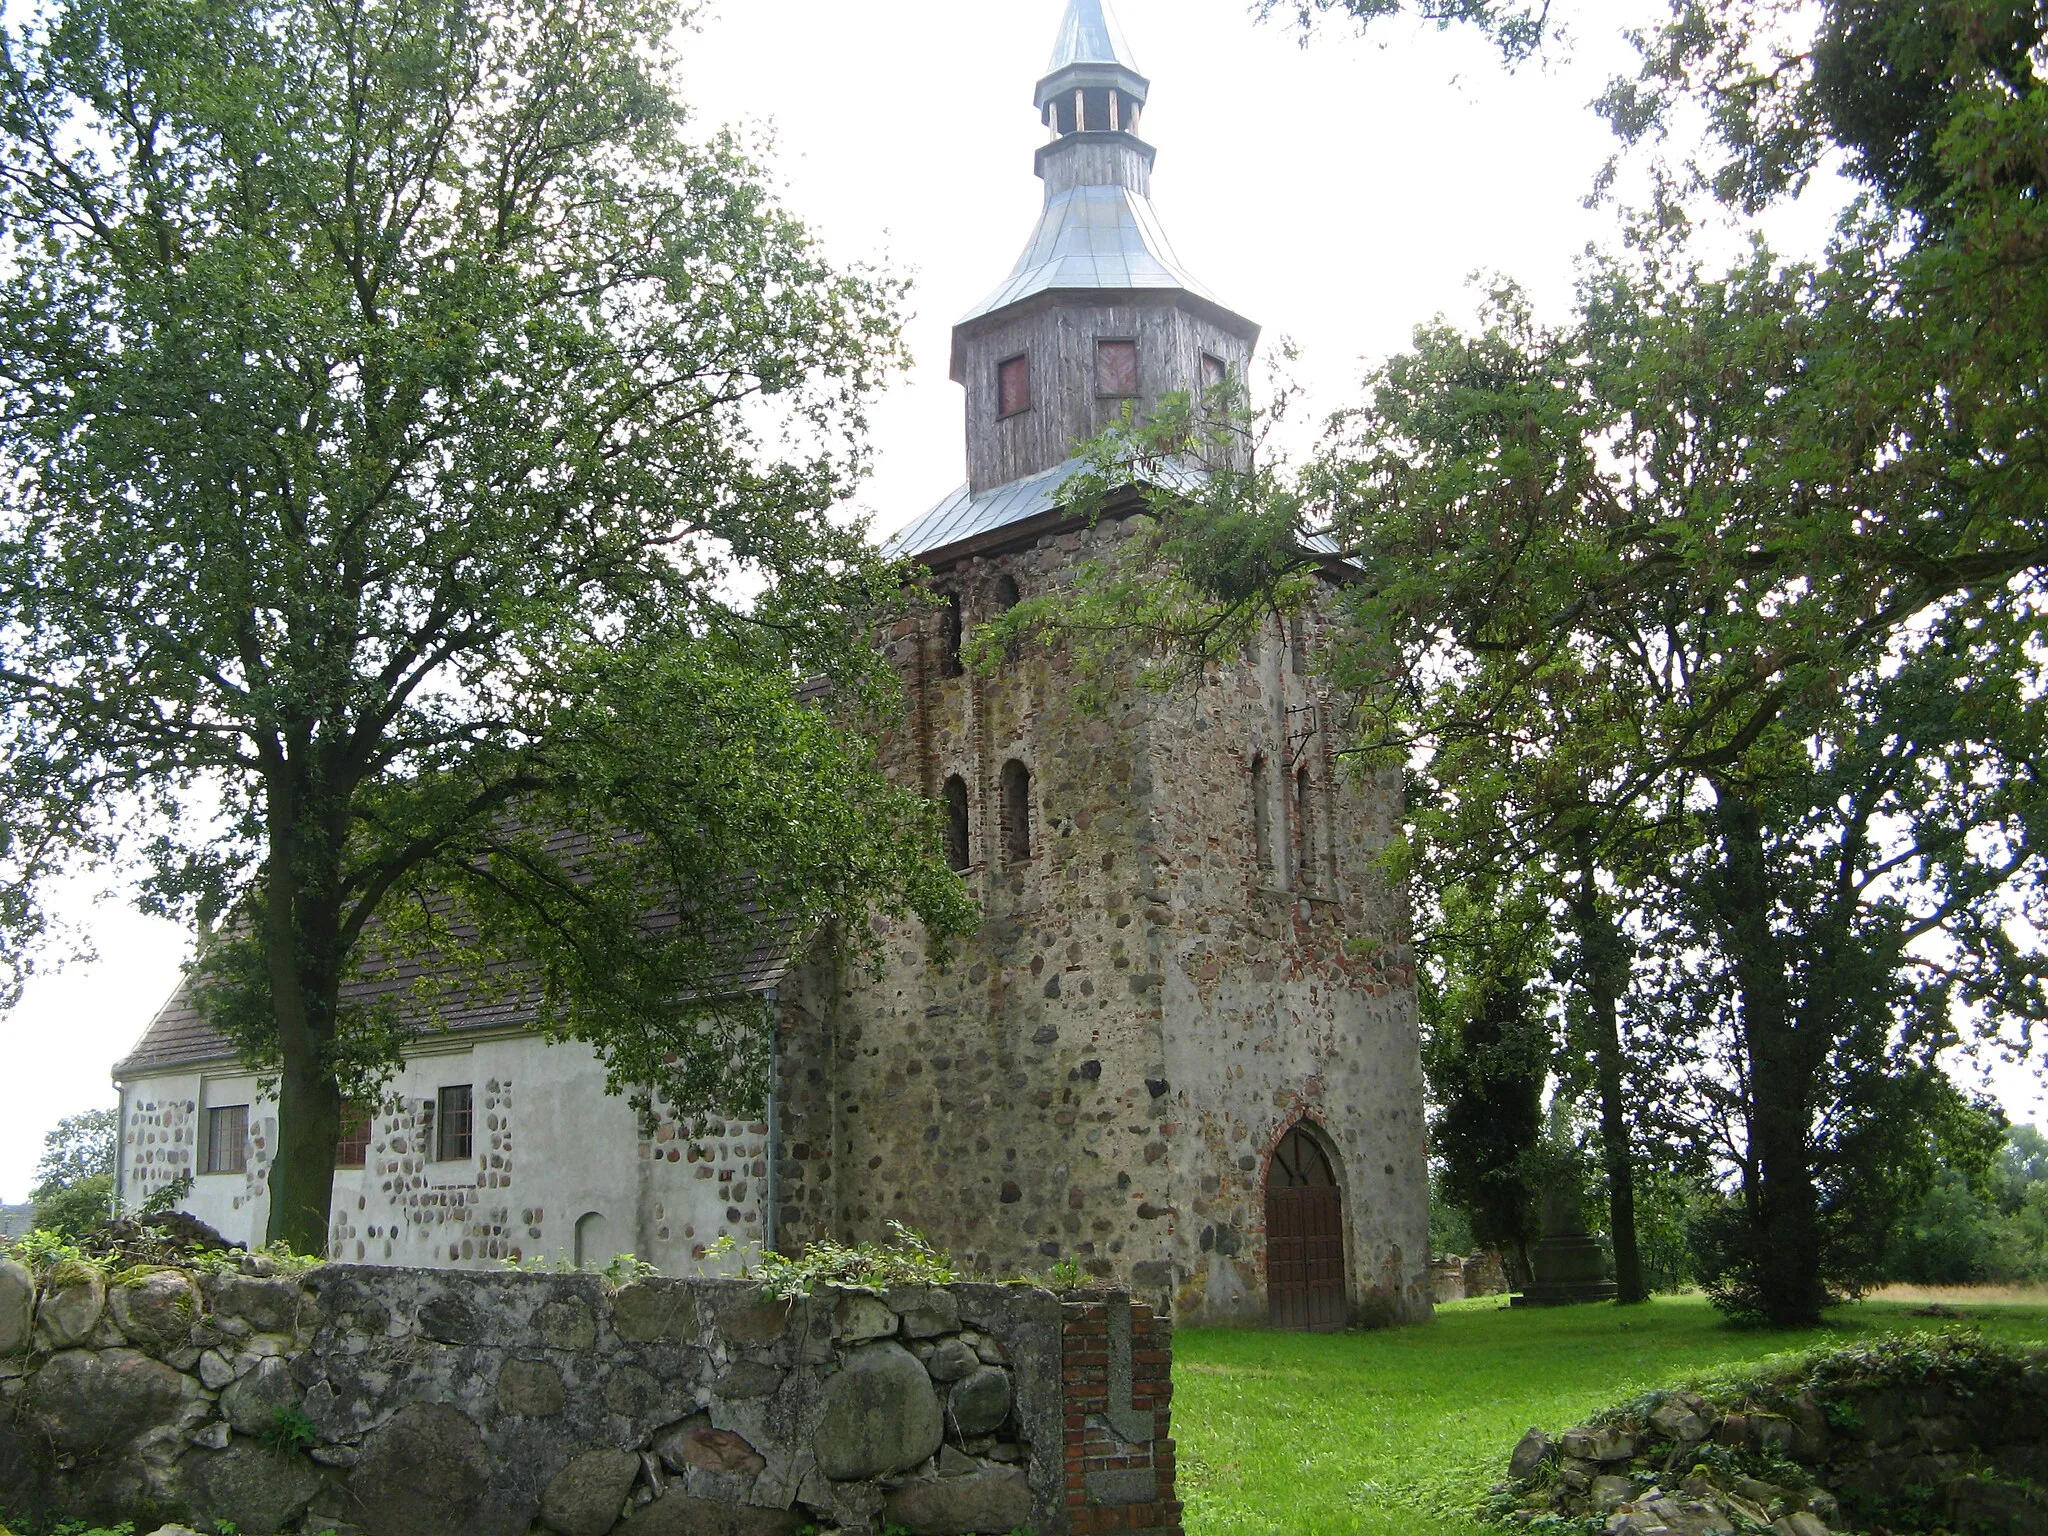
[1518, 30]
[43, 1249]
[627, 1268]
[1063, 1275]
[907, 1259]
[167, 1197]
[1487, 1053]
[395, 396]
[1947, 1239]
[75, 1209]
[74, 1189]
[82, 1146]
[290, 1430]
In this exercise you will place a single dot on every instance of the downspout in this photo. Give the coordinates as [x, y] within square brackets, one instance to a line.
[120, 1150]
[769, 1236]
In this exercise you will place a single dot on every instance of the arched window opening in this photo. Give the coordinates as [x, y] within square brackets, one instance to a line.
[1262, 813]
[950, 636]
[1016, 812]
[1007, 596]
[957, 855]
[1304, 826]
[1305, 1285]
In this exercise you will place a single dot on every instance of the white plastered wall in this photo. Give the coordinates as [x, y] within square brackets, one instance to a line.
[552, 1155]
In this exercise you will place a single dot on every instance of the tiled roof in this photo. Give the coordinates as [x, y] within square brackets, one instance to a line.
[180, 1037]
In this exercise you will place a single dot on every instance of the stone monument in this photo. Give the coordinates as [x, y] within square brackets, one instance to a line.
[1569, 1264]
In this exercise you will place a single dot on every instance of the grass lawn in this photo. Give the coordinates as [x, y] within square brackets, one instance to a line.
[1359, 1434]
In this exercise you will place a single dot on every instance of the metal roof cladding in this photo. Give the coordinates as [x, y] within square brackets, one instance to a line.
[1089, 35]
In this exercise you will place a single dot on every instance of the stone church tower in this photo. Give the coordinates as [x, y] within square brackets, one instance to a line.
[1182, 1050]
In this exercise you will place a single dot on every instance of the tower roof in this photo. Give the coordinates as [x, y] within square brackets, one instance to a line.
[1090, 35]
[1093, 239]
[1090, 51]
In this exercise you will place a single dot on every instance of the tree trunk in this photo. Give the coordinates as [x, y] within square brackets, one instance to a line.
[301, 942]
[1783, 1205]
[1603, 947]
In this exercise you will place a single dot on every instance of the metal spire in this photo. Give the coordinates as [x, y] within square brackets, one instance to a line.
[1090, 35]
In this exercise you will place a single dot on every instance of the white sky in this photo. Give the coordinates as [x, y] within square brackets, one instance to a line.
[1339, 195]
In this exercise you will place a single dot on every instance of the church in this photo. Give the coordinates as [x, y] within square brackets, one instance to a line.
[1181, 1053]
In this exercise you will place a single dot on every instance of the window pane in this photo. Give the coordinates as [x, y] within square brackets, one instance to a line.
[227, 1139]
[1014, 386]
[1214, 371]
[452, 1133]
[353, 1150]
[1116, 369]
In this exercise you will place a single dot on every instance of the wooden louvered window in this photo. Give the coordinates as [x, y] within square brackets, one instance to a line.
[1013, 386]
[1116, 369]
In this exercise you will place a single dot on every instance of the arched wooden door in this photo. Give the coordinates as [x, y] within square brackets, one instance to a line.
[1304, 1238]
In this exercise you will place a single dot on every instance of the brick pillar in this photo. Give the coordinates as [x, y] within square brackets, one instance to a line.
[1118, 1386]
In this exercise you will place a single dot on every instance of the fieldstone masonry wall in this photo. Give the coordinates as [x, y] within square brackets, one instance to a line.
[387, 1402]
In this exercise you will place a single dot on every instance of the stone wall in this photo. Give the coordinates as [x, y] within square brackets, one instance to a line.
[391, 1402]
[1904, 1435]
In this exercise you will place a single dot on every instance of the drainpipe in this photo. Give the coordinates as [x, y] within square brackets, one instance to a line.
[120, 1155]
[768, 1232]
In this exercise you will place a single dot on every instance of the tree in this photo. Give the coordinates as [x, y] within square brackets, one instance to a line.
[393, 395]
[74, 1188]
[1487, 1054]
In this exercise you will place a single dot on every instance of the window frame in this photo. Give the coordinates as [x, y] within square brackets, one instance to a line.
[238, 1152]
[446, 1118]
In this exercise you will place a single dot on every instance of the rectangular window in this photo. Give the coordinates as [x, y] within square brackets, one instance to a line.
[1116, 369]
[353, 1150]
[452, 1124]
[1214, 372]
[1013, 386]
[227, 1139]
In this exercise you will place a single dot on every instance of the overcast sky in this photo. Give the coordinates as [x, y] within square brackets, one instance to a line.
[1338, 195]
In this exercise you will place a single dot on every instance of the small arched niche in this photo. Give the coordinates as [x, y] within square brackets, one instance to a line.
[594, 1248]
[959, 854]
[1016, 812]
[1305, 1285]
[1262, 813]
